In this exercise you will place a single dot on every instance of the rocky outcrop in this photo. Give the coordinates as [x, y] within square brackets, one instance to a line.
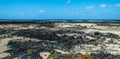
[72, 42]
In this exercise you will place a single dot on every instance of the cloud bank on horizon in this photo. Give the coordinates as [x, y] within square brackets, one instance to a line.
[59, 9]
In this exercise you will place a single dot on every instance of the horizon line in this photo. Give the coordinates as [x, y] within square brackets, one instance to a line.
[59, 19]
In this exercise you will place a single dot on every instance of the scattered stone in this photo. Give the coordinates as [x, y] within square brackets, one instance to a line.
[44, 55]
[4, 55]
[111, 35]
[62, 52]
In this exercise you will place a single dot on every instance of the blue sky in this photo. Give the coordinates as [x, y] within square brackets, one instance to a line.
[59, 9]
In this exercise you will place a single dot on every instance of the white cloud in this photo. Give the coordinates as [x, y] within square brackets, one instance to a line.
[103, 5]
[42, 11]
[69, 11]
[117, 5]
[89, 7]
[68, 1]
